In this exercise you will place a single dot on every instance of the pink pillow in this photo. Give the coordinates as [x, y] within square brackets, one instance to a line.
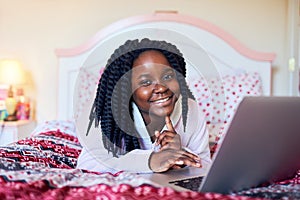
[65, 126]
[86, 85]
[219, 98]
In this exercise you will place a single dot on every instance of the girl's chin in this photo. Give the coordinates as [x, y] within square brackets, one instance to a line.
[162, 112]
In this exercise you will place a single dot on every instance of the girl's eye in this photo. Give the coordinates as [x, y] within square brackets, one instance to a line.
[145, 82]
[168, 77]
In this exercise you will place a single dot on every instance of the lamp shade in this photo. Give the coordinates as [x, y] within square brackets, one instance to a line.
[11, 72]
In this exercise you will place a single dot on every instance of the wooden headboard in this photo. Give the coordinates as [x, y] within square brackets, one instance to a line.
[206, 45]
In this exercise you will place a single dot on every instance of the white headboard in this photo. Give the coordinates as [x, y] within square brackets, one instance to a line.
[223, 49]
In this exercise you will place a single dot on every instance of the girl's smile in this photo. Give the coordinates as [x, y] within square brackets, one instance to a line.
[162, 101]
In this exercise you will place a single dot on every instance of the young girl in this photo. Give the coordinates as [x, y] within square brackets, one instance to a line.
[149, 119]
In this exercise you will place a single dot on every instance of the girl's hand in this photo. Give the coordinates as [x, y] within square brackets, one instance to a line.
[168, 138]
[171, 155]
[171, 158]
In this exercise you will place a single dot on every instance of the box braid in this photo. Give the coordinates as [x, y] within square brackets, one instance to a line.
[122, 137]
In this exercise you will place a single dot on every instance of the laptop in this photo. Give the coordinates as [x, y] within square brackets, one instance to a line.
[261, 146]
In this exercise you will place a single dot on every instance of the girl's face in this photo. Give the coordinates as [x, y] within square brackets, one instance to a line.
[154, 85]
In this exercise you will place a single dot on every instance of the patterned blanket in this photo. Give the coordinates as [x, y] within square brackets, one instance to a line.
[43, 167]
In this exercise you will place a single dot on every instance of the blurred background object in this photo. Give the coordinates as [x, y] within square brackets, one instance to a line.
[13, 76]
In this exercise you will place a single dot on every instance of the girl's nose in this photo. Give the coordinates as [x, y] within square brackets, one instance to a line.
[159, 88]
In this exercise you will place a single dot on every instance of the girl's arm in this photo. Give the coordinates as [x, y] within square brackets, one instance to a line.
[98, 160]
[95, 157]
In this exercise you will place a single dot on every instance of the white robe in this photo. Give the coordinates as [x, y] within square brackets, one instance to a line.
[95, 157]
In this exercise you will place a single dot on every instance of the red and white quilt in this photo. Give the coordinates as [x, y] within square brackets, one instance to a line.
[43, 167]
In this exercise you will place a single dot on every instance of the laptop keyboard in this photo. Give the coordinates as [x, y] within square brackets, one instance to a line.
[189, 183]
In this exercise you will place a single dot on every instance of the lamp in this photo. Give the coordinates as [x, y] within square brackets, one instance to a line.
[11, 74]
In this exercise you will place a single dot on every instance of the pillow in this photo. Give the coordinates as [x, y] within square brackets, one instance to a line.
[86, 86]
[65, 126]
[219, 98]
[215, 135]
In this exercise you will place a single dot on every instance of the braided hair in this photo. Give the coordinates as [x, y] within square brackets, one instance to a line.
[113, 103]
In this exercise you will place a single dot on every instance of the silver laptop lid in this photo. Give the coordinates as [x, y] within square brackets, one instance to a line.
[260, 146]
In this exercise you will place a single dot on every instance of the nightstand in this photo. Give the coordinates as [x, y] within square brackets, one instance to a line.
[15, 130]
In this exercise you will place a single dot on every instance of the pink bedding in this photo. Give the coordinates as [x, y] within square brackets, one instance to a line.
[43, 167]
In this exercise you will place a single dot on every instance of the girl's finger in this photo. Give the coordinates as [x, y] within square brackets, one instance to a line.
[169, 124]
[185, 160]
[161, 136]
[187, 155]
[191, 154]
[157, 134]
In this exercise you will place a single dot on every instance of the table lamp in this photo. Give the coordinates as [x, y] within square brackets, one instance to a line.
[11, 74]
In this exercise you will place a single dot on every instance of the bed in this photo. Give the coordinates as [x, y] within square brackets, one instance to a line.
[43, 165]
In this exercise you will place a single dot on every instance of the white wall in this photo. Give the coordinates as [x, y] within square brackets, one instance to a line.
[30, 30]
